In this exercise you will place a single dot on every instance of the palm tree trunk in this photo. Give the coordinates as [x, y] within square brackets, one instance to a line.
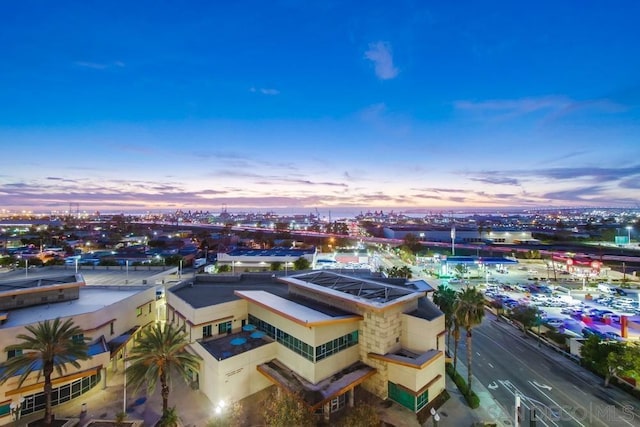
[48, 387]
[164, 392]
[455, 352]
[469, 355]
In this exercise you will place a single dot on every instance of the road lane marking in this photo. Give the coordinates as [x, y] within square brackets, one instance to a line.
[542, 386]
[557, 404]
[579, 389]
[490, 365]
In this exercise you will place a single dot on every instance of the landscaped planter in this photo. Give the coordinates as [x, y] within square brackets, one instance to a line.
[114, 423]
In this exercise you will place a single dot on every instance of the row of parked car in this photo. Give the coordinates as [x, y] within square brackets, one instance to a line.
[571, 307]
[623, 304]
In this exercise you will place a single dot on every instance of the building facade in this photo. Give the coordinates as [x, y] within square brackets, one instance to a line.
[319, 335]
[107, 315]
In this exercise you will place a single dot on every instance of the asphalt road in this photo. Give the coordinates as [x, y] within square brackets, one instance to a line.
[561, 392]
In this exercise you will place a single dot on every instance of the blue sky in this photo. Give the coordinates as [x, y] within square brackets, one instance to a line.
[123, 106]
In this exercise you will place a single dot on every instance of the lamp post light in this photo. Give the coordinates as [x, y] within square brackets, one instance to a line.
[124, 370]
[16, 409]
[435, 416]
[453, 240]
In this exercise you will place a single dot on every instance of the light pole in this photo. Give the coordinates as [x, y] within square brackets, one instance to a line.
[453, 240]
[180, 270]
[126, 263]
[76, 262]
[124, 370]
[16, 409]
[435, 416]
[629, 234]
[26, 267]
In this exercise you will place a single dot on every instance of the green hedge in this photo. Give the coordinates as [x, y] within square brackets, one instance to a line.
[469, 395]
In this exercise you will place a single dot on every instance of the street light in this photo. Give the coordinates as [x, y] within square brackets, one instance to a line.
[435, 416]
[16, 409]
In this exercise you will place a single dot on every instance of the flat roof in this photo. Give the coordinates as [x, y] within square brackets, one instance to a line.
[271, 252]
[233, 344]
[479, 260]
[201, 293]
[373, 293]
[294, 310]
[427, 310]
[92, 298]
[207, 291]
[11, 286]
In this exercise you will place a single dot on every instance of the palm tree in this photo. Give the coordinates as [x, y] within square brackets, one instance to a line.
[156, 353]
[49, 347]
[469, 312]
[456, 340]
[445, 298]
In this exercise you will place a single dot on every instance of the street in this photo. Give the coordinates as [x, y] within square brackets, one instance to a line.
[561, 392]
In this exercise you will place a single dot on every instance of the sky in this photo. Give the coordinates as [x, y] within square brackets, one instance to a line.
[121, 106]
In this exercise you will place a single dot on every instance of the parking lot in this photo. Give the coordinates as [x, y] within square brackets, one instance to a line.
[562, 301]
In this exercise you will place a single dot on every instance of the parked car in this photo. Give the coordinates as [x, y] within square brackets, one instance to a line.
[587, 332]
[613, 336]
[555, 322]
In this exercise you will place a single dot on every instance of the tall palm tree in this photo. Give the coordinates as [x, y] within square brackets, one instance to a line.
[159, 351]
[49, 347]
[445, 298]
[469, 312]
[456, 340]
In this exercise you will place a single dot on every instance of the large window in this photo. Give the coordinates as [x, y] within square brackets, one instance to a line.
[305, 350]
[224, 327]
[64, 393]
[13, 353]
[206, 331]
[332, 347]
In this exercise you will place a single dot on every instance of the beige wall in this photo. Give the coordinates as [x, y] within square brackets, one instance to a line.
[212, 314]
[234, 378]
[414, 379]
[95, 324]
[421, 335]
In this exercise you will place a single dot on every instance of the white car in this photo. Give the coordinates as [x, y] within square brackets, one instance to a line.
[556, 323]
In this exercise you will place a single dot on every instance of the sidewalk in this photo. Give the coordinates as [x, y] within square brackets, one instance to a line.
[489, 411]
[192, 406]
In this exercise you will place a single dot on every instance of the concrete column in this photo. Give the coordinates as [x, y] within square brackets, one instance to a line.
[351, 397]
[326, 412]
[104, 378]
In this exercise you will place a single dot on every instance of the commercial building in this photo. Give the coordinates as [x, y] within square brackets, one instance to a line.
[255, 260]
[317, 334]
[460, 235]
[108, 315]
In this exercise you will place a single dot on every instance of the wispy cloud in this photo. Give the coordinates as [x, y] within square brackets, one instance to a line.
[515, 106]
[99, 65]
[265, 91]
[380, 54]
[552, 106]
[498, 180]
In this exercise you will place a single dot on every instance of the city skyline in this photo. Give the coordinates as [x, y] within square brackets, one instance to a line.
[329, 106]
